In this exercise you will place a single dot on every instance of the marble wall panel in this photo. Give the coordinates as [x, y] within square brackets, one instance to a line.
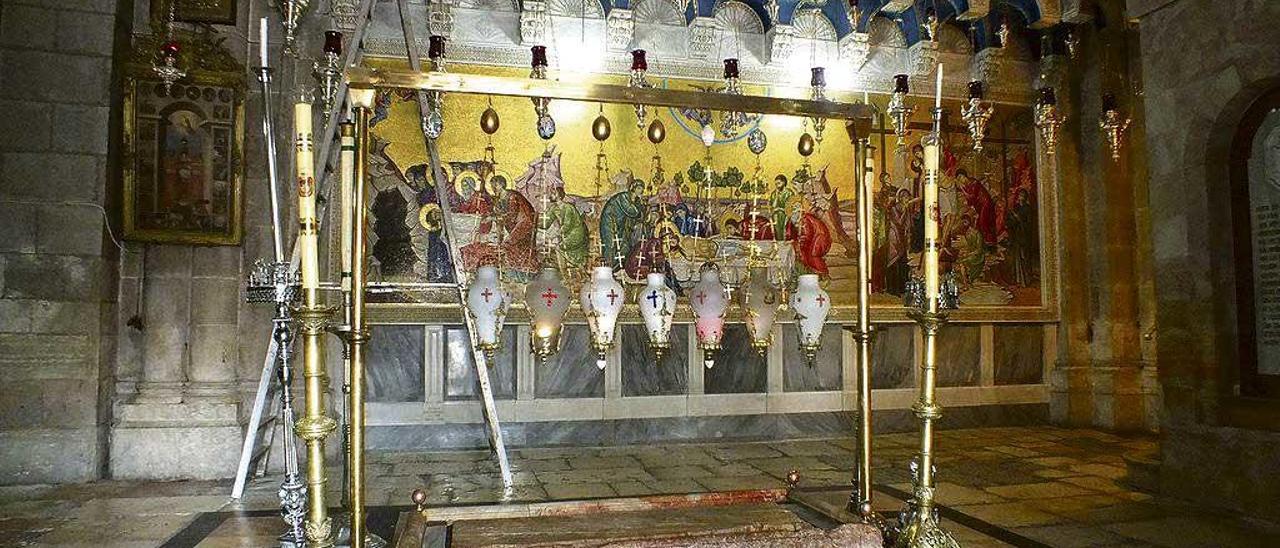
[460, 381]
[572, 373]
[825, 372]
[1019, 354]
[641, 376]
[959, 355]
[394, 363]
[738, 369]
[893, 356]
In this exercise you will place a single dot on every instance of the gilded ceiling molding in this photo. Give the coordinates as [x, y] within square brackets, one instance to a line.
[780, 42]
[855, 48]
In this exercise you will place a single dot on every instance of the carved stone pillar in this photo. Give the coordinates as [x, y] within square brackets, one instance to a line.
[534, 23]
[620, 29]
[855, 48]
[166, 317]
[781, 42]
[702, 37]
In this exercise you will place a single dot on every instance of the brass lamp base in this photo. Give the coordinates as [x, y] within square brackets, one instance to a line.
[708, 354]
[658, 349]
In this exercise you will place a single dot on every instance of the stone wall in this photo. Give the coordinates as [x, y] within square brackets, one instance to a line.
[57, 264]
[1204, 62]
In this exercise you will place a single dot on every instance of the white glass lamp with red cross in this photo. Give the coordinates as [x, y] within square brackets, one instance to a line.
[709, 301]
[602, 299]
[761, 303]
[811, 305]
[487, 304]
[546, 299]
[657, 304]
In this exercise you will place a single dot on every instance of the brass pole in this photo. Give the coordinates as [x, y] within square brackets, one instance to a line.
[920, 527]
[315, 426]
[359, 333]
[860, 502]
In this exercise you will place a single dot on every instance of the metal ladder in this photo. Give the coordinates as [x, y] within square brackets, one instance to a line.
[256, 446]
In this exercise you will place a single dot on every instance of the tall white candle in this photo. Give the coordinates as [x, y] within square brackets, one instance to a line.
[932, 144]
[347, 160]
[308, 233]
[937, 98]
[262, 42]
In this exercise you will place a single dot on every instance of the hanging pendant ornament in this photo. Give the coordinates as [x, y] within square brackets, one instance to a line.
[709, 302]
[1048, 119]
[291, 14]
[805, 146]
[1113, 124]
[328, 69]
[757, 141]
[433, 126]
[657, 131]
[166, 68]
[732, 121]
[600, 128]
[976, 113]
[489, 121]
[818, 92]
[931, 24]
[541, 105]
[898, 110]
[639, 79]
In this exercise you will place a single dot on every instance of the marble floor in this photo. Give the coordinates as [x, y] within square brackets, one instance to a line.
[1026, 486]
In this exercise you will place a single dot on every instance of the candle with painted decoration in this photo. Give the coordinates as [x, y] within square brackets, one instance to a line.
[931, 153]
[308, 224]
[346, 190]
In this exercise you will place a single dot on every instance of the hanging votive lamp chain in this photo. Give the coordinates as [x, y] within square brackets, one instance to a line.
[1113, 124]
[328, 68]
[546, 125]
[898, 110]
[732, 121]
[1048, 119]
[976, 113]
[639, 79]
[166, 67]
[433, 125]
[818, 92]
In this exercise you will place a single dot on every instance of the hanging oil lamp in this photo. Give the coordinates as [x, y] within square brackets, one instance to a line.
[602, 299]
[760, 301]
[732, 121]
[487, 303]
[639, 79]
[1003, 32]
[976, 113]
[818, 92]
[709, 302]
[546, 299]
[812, 305]
[898, 110]
[291, 14]
[930, 25]
[328, 69]
[1113, 124]
[433, 126]
[757, 141]
[167, 66]
[541, 105]
[1048, 119]
[600, 130]
[657, 304]
[657, 133]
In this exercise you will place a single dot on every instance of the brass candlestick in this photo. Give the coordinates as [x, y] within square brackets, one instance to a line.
[919, 525]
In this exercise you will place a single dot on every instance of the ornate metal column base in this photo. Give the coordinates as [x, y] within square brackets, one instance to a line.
[315, 426]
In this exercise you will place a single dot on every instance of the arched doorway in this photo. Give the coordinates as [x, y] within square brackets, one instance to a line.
[1255, 213]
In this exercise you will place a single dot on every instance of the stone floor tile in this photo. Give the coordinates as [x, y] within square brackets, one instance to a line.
[631, 489]
[738, 483]
[579, 490]
[780, 467]
[1072, 536]
[1054, 473]
[1100, 470]
[680, 472]
[1056, 461]
[1010, 514]
[1015, 451]
[587, 462]
[742, 452]
[1193, 531]
[1095, 483]
[808, 448]
[1037, 490]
